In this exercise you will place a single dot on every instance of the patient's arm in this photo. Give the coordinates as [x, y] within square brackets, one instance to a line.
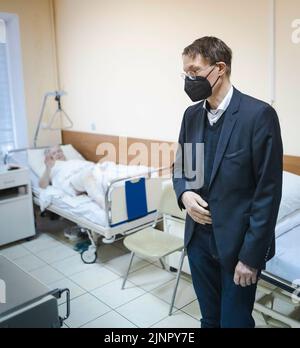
[45, 178]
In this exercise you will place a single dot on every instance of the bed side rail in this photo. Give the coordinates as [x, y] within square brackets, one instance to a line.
[11, 152]
[281, 283]
[131, 198]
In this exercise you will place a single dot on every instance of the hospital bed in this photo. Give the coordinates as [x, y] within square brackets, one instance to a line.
[280, 282]
[130, 203]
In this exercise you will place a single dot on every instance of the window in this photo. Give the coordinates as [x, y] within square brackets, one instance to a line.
[13, 120]
[7, 134]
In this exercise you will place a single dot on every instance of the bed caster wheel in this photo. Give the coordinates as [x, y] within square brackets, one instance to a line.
[89, 256]
[110, 240]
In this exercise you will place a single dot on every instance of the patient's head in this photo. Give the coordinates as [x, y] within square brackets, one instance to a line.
[55, 153]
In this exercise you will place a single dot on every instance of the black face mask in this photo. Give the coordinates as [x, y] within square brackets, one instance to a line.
[200, 88]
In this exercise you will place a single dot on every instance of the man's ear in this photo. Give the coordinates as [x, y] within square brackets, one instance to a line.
[222, 68]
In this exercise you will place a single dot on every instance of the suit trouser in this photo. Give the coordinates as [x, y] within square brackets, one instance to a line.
[222, 303]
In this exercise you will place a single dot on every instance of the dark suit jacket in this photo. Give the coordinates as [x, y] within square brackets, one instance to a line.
[246, 181]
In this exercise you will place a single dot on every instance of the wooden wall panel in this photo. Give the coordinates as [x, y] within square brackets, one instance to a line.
[292, 164]
[87, 144]
[127, 150]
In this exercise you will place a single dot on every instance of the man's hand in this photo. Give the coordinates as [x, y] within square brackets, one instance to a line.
[244, 275]
[195, 207]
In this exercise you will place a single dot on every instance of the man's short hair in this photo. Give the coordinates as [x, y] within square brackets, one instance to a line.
[212, 49]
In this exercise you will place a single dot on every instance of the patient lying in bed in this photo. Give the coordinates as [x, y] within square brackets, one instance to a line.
[72, 176]
[75, 177]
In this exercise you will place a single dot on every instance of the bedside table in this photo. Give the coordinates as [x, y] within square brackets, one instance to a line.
[16, 207]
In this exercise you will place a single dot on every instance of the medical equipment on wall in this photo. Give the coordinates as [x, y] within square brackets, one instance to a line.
[59, 114]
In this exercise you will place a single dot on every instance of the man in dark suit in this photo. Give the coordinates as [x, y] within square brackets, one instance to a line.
[229, 232]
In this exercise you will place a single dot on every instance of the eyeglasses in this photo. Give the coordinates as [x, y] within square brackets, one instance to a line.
[192, 75]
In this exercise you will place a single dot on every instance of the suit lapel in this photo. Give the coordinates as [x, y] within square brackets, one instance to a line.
[229, 122]
[202, 125]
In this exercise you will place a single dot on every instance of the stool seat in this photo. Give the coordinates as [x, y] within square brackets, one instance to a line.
[153, 243]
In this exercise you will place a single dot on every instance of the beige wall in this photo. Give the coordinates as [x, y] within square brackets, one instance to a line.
[120, 60]
[37, 57]
[288, 74]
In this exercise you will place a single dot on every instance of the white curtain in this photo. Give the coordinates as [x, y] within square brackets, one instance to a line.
[2, 31]
[6, 119]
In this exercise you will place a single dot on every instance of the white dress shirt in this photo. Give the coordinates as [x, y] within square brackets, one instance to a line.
[214, 115]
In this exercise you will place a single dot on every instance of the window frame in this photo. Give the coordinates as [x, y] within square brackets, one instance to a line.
[16, 80]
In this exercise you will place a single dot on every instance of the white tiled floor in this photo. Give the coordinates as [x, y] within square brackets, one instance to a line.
[47, 274]
[119, 264]
[114, 296]
[185, 292]
[150, 277]
[15, 252]
[193, 310]
[40, 244]
[29, 262]
[110, 320]
[56, 253]
[71, 265]
[96, 296]
[179, 320]
[94, 277]
[145, 311]
[84, 309]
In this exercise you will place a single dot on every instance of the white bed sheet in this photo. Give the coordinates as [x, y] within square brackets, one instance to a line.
[80, 206]
[286, 262]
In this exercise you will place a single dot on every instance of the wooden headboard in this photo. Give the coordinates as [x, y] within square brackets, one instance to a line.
[87, 143]
[292, 164]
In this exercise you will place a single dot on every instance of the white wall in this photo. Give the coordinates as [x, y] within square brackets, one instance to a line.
[288, 73]
[120, 61]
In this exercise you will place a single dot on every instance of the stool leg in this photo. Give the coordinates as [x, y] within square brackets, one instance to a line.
[177, 280]
[126, 275]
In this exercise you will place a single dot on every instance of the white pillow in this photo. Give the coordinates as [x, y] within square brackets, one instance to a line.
[36, 161]
[71, 153]
[36, 158]
[290, 201]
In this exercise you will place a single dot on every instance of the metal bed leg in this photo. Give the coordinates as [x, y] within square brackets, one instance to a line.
[89, 256]
[126, 275]
[177, 280]
[162, 264]
[90, 235]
